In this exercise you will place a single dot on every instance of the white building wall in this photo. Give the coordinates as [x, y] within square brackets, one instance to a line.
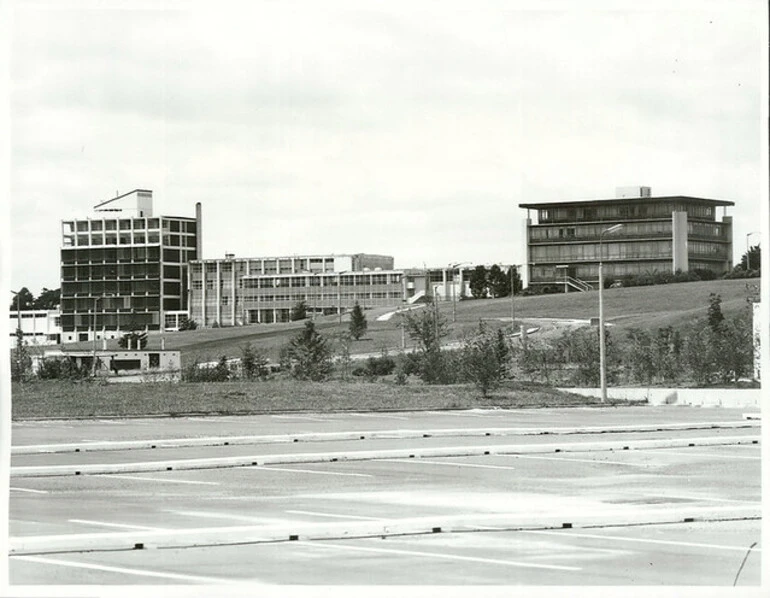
[38, 326]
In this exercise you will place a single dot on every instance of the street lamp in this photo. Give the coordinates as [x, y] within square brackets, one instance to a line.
[748, 249]
[602, 357]
[514, 270]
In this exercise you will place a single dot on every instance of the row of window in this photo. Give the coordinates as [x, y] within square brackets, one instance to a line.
[113, 271]
[110, 304]
[592, 231]
[72, 322]
[270, 265]
[590, 251]
[169, 224]
[127, 238]
[126, 254]
[637, 209]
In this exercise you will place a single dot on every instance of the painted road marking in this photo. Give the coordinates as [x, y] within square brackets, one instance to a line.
[117, 525]
[691, 497]
[29, 490]
[425, 462]
[333, 515]
[123, 570]
[714, 455]
[377, 415]
[593, 461]
[121, 476]
[210, 515]
[358, 475]
[442, 555]
[642, 540]
[302, 417]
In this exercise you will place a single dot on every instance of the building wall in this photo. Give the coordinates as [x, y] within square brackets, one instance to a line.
[122, 273]
[661, 235]
[40, 327]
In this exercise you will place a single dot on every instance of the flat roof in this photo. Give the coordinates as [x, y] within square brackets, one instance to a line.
[626, 200]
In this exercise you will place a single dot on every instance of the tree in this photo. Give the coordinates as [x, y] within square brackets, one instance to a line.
[485, 360]
[21, 362]
[308, 355]
[48, 299]
[498, 282]
[135, 340]
[715, 317]
[22, 300]
[358, 324]
[427, 327]
[187, 324]
[752, 259]
[517, 282]
[253, 363]
[299, 311]
[478, 282]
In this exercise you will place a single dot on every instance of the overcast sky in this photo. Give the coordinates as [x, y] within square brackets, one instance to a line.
[412, 129]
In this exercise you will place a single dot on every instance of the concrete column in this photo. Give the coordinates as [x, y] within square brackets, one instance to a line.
[199, 230]
[680, 259]
[525, 274]
[727, 223]
[218, 291]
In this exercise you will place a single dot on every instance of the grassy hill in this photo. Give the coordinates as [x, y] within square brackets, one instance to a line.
[641, 307]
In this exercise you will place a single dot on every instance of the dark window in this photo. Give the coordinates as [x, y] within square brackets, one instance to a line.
[154, 360]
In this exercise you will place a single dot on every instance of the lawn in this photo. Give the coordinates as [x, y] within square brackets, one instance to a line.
[67, 400]
[642, 307]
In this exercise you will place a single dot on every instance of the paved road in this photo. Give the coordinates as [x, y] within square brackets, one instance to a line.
[480, 519]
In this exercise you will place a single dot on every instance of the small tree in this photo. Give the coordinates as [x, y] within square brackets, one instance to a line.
[484, 360]
[21, 362]
[715, 317]
[308, 355]
[358, 323]
[135, 339]
[498, 282]
[427, 327]
[253, 363]
[478, 282]
[299, 311]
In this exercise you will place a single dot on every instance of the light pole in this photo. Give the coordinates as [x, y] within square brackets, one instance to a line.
[748, 250]
[514, 269]
[602, 357]
[19, 334]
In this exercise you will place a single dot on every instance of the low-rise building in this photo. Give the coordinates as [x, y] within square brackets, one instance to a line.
[40, 327]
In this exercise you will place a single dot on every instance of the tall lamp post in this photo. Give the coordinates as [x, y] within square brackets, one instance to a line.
[514, 270]
[93, 359]
[602, 357]
[748, 249]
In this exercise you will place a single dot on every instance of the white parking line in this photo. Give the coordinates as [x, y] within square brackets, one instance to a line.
[442, 555]
[116, 525]
[714, 455]
[301, 417]
[377, 415]
[641, 540]
[125, 571]
[592, 461]
[332, 515]
[148, 479]
[693, 497]
[29, 490]
[426, 462]
[358, 475]
[214, 515]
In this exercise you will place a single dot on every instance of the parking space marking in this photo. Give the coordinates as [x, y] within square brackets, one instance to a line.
[693, 497]
[212, 515]
[577, 460]
[377, 415]
[117, 525]
[426, 462]
[442, 555]
[333, 515]
[126, 571]
[149, 479]
[266, 468]
[300, 417]
[29, 490]
[567, 534]
[714, 455]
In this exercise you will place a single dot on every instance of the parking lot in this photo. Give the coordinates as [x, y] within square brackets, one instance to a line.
[638, 496]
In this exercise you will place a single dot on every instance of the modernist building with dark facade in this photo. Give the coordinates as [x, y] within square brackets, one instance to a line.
[125, 268]
[658, 234]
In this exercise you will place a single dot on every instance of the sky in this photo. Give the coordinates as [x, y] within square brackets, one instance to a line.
[411, 129]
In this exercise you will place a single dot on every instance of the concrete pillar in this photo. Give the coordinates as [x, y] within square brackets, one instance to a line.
[525, 275]
[727, 224]
[199, 230]
[680, 259]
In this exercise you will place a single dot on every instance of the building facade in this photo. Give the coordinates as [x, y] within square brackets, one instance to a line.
[238, 291]
[567, 240]
[124, 268]
[39, 326]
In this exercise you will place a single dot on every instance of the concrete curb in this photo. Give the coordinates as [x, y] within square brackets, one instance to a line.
[363, 435]
[459, 451]
[187, 538]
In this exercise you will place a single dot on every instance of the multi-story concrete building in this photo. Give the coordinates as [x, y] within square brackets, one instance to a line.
[236, 291]
[567, 240]
[39, 326]
[125, 268]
